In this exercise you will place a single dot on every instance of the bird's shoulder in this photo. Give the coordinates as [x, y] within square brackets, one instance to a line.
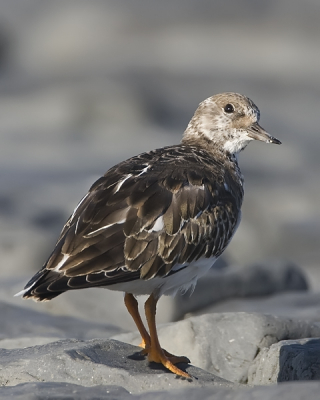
[170, 168]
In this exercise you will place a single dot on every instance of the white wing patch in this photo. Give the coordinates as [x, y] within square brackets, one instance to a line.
[120, 214]
[158, 226]
[144, 170]
[60, 264]
[119, 184]
[103, 228]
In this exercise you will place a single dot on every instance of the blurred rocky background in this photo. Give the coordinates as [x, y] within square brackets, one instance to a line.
[85, 84]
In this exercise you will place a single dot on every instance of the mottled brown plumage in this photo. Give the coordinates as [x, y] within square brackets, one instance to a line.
[184, 187]
[156, 222]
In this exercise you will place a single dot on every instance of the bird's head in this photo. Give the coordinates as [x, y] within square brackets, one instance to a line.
[228, 121]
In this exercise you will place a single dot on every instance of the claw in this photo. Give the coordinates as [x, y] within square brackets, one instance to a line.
[159, 356]
[176, 359]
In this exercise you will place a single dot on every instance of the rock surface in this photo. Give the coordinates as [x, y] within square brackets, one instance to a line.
[230, 347]
[287, 360]
[95, 362]
[227, 344]
[58, 390]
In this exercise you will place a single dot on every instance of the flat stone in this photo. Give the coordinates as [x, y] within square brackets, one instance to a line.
[96, 362]
[287, 360]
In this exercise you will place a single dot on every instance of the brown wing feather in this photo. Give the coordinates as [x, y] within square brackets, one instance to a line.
[139, 220]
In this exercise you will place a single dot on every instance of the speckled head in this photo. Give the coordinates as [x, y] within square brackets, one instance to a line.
[227, 121]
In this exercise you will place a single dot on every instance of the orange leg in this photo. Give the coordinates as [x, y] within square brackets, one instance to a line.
[132, 306]
[155, 352]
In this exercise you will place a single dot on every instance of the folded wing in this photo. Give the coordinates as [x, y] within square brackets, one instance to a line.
[144, 218]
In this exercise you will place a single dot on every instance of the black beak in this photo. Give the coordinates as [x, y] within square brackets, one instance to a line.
[256, 132]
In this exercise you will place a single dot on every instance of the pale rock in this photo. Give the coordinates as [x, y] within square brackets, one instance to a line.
[287, 360]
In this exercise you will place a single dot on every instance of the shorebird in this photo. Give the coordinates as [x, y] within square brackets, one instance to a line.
[155, 223]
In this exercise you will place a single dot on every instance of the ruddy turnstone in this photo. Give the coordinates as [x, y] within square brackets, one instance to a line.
[155, 223]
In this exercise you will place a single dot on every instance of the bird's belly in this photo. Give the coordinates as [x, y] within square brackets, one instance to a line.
[184, 278]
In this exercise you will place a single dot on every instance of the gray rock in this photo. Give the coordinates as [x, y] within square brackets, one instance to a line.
[259, 279]
[60, 390]
[291, 391]
[63, 391]
[95, 362]
[227, 344]
[288, 360]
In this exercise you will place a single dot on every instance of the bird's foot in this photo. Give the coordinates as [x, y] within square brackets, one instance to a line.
[174, 359]
[167, 359]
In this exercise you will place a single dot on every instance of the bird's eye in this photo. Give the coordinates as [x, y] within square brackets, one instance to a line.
[229, 108]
